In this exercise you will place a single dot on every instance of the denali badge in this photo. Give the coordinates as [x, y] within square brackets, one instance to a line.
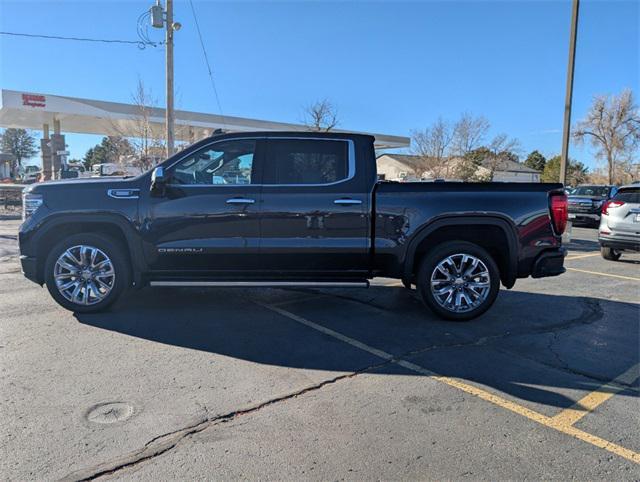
[181, 250]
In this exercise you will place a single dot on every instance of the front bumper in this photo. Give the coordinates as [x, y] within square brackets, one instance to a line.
[584, 217]
[30, 268]
[549, 263]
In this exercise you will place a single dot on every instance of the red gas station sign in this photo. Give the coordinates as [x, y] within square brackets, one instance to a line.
[33, 100]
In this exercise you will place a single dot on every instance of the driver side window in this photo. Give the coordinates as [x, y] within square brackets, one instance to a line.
[224, 163]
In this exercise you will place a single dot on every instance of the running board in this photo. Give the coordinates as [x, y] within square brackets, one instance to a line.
[265, 284]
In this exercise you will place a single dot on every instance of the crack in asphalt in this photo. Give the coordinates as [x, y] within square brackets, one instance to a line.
[552, 339]
[162, 444]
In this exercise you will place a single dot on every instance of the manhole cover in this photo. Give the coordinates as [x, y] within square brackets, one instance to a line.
[110, 412]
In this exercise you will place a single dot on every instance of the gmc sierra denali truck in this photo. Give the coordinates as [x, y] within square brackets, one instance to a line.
[288, 209]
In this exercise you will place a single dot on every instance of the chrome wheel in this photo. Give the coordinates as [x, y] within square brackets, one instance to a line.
[460, 283]
[84, 275]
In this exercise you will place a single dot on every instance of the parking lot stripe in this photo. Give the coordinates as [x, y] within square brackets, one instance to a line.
[471, 389]
[591, 401]
[604, 274]
[578, 256]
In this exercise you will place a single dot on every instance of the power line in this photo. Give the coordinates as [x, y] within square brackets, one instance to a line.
[206, 59]
[143, 27]
[140, 43]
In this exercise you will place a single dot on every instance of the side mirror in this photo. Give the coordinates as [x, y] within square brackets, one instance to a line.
[158, 181]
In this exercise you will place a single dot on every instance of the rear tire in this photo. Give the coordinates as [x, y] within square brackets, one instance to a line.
[610, 253]
[87, 273]
[458, 280]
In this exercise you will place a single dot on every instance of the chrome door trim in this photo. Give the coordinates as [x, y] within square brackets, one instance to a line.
[240, 200]
[351, 162]
[263, 284]
[347, 202]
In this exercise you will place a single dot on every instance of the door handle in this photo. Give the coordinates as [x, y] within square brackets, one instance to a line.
[346, 202]
[240, 200]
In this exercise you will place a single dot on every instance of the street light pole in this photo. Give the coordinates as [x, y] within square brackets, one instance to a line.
[564, 159]
[169, 66]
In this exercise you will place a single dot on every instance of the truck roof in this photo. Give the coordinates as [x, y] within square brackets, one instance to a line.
[307, 134]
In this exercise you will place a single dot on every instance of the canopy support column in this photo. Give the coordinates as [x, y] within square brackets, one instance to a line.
[45, 148]
[57, 146]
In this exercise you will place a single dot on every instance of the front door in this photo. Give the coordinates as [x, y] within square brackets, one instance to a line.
[207, 221]
[314, 210]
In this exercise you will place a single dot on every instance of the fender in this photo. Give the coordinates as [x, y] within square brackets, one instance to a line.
[447, 220]
[116, 219]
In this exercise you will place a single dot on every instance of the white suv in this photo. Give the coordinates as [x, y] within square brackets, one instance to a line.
[620, 223]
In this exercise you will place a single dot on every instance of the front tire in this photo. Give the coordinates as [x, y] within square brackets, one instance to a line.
[458, 280]
[87, 273]
[610, 253]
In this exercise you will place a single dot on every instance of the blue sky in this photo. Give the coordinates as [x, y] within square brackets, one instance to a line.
[388, 66]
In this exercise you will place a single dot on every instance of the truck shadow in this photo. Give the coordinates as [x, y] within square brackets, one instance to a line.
[534, 347]
[583, 245]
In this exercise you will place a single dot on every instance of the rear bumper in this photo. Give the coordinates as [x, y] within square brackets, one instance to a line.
[549, 263]
[30, 268]
[619, 243]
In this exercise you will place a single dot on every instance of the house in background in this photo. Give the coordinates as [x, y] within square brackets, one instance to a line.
[397, 167]
[405, 167]
[510, 171]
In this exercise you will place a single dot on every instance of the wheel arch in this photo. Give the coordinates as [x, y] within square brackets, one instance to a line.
[117, 227]
[495, 233]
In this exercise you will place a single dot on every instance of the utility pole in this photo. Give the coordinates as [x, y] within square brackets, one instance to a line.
[169, 47]
[564, 159]
[161, 18]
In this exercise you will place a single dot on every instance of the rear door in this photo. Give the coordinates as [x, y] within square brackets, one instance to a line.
[625, 218]
[314, 218]
[207, 221]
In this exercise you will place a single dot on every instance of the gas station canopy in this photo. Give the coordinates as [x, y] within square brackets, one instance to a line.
[28, 110]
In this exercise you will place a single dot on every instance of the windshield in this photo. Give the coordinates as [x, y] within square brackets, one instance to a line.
[600, 191]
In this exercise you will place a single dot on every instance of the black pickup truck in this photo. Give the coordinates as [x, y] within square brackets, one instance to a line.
[288, 209]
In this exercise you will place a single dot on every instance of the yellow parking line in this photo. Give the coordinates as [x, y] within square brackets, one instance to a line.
[471, 389]
[591, 401]
[583, 406]
[579, 256]
[604, 274]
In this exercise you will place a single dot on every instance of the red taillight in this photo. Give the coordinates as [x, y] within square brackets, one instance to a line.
[559, 212]
[611, 204]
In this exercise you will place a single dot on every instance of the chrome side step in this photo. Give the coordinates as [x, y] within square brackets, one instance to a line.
[265, 284]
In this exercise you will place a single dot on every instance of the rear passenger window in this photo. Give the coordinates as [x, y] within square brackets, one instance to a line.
[302, 161]
[628, 195]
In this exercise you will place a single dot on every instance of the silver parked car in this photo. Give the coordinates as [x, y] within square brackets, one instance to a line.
[620, 223]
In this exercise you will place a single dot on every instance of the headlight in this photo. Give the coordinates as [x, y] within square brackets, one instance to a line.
[30, 202]
[598, 204]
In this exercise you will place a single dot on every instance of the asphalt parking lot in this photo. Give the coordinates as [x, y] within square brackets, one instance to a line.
[340, 384]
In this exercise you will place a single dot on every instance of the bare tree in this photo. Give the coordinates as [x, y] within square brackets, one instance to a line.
[469, 133]
[148, 141]
[613, 127]
[501, 150]
[322, 115]
[502, 144]
[431, 145]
